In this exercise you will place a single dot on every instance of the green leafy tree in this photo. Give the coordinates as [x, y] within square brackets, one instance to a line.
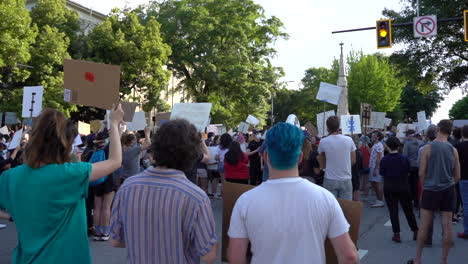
[221, 53]
[139, 50]
[459, 110]
[444, 57]
[16, 35]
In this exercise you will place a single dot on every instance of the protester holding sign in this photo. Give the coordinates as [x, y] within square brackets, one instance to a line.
[132, 153]
[45, 196]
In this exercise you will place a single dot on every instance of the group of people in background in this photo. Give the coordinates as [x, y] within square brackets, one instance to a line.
[152, 194]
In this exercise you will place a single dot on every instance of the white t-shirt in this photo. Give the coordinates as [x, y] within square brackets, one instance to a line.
[221, 153]
[287, 221]
[337, 150]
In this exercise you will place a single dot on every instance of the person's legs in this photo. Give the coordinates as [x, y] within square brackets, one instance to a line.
[464, 196]
[392, 203]
[413, 184]
[97, 216]
[365, 182]
[426, 218]
[446, 218]
[202, 176]
[105, 214]
[407, 205]
[89, 207]
[345, 190]
[330, 185]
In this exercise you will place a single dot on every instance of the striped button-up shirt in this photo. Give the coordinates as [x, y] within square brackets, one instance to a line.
[163, 218]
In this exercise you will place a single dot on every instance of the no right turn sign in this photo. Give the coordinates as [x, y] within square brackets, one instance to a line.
[425, 26]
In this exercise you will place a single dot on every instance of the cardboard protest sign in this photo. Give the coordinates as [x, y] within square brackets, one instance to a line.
[293, 120]
[377, 120]
[422, 122]
[243, 127]
[129, 110]
[329, 93]
[252, 120]
[232, 191]
[321, 119]
[91, 84]
[350, 124]
[162, 117]
[387, 122]
[196, 113]
[32, 101]
[401, 130]
[16, 140]
[212, 129]
[138, 123]
[366, 110]
[84, 128]
[11, 118]
[4, 130]
[95, 125]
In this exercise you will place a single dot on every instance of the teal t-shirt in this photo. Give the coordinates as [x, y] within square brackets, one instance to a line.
[48, 206]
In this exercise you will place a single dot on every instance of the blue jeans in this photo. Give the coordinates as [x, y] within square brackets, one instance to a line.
[464, 195]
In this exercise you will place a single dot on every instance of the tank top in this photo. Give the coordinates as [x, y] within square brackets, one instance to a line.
[440, 168]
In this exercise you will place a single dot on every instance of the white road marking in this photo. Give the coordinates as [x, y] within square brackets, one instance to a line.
[388, 223]
[362, 253]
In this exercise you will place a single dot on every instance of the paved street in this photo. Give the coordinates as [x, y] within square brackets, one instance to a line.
[375, 242]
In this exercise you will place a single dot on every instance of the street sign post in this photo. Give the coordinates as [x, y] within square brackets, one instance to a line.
[425, 26]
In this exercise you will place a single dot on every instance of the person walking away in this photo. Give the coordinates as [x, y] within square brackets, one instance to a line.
[235, 165]
[159, 215]
[356, 175]
[46, 195]
[462, 149]
[365, 150]
[255, 166]
[223, 148]
[337, 155]
[439, 171]
[395, 169]
[287, 239]
[410, 150]
[377, 153]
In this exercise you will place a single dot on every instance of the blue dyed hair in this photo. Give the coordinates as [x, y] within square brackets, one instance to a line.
[284, 144]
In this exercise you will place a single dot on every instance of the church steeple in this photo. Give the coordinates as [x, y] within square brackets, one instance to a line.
[343, 108]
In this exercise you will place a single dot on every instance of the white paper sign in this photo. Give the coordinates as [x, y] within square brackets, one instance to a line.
[32, 101]
[321, 120]
[77, 141]
[243, 127]
[329, 93]
[4, 130]
[252, 120]
[293, 120]
[401, 130]
[196, 113]
[213, 129]
[422, 122]
[138, 123]
[222, 130]
[387, 122]
[377, 120]
[350, 124]
[16, 140]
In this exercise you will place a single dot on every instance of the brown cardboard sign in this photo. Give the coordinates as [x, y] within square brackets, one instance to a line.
[129, 110]
[91, 84]
[232, 191]
[161, 118]
[311, 129]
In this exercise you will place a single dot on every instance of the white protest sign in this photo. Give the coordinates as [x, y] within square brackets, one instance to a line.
[212, 129]
[329, 93]
[16, 140]
[138, 123]
[387, 122]
[77, 141]
[252, 120]
[422, 122]
[4, 130]
[196, 113]
[32, 101]
[293, 120]
[377, 120]
[222, 130]
[243, 127]
[401, 130]
[321, 119]
[350, 124]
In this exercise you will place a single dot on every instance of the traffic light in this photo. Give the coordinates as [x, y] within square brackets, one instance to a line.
[465, 16]
[384, 34]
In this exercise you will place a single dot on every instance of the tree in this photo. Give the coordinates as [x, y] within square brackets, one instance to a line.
[444, 57]
[221, 53]
[139, 50]
[459, 109]
[16, 35]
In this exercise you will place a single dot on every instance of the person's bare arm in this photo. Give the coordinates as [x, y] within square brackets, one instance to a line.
[353, 157]
[210, 257]
[345, 249]
[377, 163]
[322, 160]
[423, 165]
[237, 250]
[206, 153]
[457, 172]
[104, 168]
[117, 244]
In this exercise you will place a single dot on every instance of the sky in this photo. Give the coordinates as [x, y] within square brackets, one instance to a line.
[309, 24]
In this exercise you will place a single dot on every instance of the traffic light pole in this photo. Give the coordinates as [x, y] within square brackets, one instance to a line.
[406, 24]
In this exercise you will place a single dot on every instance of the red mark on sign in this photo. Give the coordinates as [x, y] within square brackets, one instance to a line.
[89, 76]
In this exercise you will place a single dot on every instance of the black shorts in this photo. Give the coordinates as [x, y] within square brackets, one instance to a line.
[356, 182]
[106, 187]
[444, 201]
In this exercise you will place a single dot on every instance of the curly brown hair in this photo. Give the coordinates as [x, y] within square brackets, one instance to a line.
[176, 145]
[51, 140]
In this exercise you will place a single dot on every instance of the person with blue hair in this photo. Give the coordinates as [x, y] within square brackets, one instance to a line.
[286, 239]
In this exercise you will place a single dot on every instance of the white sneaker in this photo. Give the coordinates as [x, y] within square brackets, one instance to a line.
[377, 204]
[2, 226]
